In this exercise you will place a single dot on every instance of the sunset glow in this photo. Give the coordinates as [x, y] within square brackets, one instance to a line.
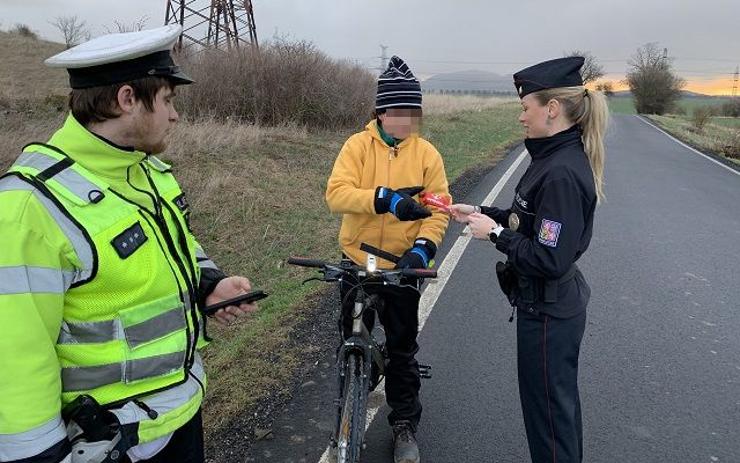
[703, 86]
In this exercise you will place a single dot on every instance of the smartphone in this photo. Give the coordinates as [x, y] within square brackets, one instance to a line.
[252, 296]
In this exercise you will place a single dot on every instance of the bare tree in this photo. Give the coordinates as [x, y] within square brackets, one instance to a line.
[591, 70]
[655, 88]
[74, 30]
[606, 87]
[135, 26]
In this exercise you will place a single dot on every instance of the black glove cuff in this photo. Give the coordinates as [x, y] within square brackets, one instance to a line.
[429, 247]
[209, 278]
[382, 204]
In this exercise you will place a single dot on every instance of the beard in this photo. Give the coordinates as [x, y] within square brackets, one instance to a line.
[150, 142]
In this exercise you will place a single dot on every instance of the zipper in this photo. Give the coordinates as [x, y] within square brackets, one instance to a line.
[391, 151]
[164, 232]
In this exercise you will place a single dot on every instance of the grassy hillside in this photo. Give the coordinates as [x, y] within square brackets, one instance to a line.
[23, 74]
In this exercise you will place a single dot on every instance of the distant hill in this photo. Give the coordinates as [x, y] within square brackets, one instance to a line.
[472, 81]
[22, 70]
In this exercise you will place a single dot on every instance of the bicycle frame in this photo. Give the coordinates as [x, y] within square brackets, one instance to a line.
[360, 349]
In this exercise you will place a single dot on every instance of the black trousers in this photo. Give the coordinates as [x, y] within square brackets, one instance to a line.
[547, 358]
[400, 319]
[185, 446]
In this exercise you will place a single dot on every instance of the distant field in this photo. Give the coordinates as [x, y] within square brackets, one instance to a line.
[624, 105]
[727, 121]
[621, 105]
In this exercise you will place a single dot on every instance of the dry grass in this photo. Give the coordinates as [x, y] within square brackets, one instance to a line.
[448, 104]
[19, 129]
[22, 71]
[717, 138]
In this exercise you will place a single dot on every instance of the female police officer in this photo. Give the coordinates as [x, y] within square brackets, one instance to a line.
[544, 233]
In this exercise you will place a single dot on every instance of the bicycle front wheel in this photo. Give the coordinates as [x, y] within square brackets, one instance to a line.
[352, 422]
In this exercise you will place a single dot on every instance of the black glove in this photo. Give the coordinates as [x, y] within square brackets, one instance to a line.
[400, 203]
[419, 256]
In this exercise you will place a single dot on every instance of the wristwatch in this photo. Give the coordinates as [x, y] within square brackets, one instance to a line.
[493, 234]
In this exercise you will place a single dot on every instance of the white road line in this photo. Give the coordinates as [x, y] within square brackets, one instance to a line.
[687, 146]
[434, 288]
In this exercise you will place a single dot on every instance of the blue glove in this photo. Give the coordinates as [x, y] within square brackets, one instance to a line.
[419, 256]
[400, 203]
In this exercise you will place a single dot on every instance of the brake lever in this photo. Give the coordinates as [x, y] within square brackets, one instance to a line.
[393, 278]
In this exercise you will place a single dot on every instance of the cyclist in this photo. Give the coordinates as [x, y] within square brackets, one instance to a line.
[375, 178]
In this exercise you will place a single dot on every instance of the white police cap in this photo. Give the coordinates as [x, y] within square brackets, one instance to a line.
[122, 57]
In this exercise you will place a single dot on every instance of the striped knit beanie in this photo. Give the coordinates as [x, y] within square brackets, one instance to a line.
[398, 87]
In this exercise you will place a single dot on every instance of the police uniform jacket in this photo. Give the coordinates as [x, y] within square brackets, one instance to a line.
[554, 207]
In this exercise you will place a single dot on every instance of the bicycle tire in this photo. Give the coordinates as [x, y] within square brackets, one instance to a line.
[354, 408]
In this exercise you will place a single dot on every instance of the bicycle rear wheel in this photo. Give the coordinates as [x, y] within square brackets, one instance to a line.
[354, 407]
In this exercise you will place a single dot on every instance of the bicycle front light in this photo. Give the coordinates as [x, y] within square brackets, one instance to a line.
[372, 264]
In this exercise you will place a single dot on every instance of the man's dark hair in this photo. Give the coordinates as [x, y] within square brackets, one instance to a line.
[98, 104]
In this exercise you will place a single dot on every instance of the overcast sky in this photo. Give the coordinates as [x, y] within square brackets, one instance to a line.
[442, 36]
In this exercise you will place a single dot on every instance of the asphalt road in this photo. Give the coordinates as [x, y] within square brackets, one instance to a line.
[660, 361]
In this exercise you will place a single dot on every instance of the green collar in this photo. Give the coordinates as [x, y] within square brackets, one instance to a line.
[388, 139]
[93, 152]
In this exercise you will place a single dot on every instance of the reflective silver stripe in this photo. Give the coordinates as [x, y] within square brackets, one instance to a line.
[89, 332]
[158, 164]
[203, 260]
[30, 443]
[207, 264]
[85, 378]
[165, 401]
[24, 279]
[68, 178]
[75, 236]
[156, 327]
[35, 160]
[111, 330]
[154, 366]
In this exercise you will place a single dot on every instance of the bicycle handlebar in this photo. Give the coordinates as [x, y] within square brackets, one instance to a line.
[407, 272]
[303, 262]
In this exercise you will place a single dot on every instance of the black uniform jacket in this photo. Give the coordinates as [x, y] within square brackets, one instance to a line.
[554, 206]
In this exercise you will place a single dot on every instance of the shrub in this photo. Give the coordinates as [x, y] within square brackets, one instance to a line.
[701, 117]
[24, 31]
[730, 145]
[282, 83]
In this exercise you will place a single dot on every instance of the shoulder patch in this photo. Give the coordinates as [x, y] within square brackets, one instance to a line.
[549, 233]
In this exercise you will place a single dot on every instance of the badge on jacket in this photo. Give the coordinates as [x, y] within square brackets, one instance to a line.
[182, 204]
[549, 233]
[129, 241]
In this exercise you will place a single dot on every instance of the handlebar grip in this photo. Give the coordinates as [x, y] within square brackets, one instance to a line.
[419, 272]
[303, 262]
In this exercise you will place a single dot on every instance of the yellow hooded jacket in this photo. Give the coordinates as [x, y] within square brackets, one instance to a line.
[367, 162]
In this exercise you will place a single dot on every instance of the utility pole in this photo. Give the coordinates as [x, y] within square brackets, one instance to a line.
[228, 23]
[734, 82]
[383, 59]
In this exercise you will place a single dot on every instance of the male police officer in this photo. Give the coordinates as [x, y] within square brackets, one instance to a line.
[101, 279]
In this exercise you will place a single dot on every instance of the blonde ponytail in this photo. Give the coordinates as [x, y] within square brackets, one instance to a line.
[588, 109]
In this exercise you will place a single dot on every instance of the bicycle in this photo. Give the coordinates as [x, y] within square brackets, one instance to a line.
[362, 357]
